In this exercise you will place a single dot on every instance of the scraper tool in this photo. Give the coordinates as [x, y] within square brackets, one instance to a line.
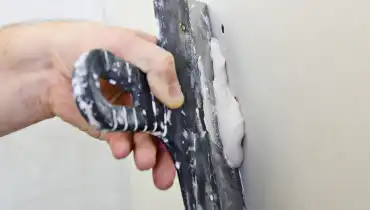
[190, 133]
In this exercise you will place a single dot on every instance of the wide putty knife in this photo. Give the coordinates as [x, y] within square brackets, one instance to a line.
[189, 133]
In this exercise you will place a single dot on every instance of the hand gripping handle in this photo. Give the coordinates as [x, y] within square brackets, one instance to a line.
[146, 112]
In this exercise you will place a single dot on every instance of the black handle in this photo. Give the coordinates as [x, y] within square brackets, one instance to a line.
[146, 113]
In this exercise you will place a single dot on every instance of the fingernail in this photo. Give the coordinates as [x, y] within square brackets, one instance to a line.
[176, 95]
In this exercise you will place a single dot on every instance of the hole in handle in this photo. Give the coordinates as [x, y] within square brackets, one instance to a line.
[114, 95]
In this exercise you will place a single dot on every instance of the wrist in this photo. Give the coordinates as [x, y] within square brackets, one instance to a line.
[23, 100]
[40, 85]
[26, 76]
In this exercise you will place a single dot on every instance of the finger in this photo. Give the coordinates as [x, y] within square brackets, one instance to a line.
[168, 92]
[164, 171]
[153, 60]
[145, 151]
[120, 143]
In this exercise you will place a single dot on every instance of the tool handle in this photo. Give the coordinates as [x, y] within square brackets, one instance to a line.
[98, 64]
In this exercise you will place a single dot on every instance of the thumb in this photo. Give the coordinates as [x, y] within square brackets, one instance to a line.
[157, 63]
[164, 84]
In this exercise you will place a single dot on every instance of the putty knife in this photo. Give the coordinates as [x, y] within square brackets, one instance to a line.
[190, 133]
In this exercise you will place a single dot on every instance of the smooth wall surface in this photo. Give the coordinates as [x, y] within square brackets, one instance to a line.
[54, 166]
[300, 69]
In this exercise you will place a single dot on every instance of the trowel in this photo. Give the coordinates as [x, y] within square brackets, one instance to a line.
[190, 133]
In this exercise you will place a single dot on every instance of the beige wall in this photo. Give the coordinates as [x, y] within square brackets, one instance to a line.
[301, 70]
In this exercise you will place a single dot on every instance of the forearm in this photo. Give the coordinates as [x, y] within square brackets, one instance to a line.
[23, 87]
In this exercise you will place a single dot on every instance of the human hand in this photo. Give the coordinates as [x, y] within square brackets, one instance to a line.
[57, 45]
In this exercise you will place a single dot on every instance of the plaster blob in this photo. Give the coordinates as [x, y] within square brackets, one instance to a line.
[230, 118]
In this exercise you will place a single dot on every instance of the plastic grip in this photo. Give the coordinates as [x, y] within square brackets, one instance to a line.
[99, 63]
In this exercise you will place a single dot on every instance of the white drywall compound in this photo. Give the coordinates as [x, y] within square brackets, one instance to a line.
[230, 118]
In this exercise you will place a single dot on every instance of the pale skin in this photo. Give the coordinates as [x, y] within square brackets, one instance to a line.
[35, 75]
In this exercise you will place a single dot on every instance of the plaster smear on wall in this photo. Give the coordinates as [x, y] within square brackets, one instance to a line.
[230, 118]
